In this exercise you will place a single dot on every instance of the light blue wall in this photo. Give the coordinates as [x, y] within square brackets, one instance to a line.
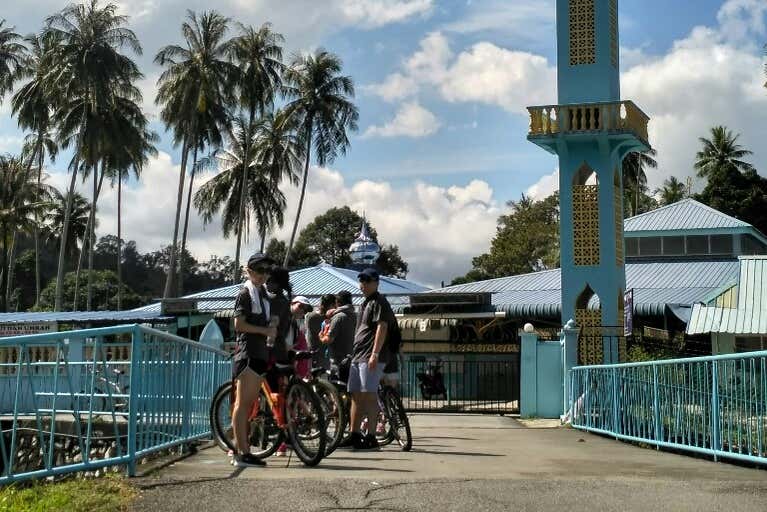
[586, 83]
[542, 378]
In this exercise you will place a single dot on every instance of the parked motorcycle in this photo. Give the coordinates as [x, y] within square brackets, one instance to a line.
[432, 382]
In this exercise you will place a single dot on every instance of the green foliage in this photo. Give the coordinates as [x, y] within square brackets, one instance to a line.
[111, 494]
[740, 194]
[527, 240]
[672, 191]
[104, 284]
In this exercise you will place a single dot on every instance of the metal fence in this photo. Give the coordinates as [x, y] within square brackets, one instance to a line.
[84, 400]
[715, 405]
[476, 386]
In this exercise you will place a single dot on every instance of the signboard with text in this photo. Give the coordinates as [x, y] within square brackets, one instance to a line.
[20, 329]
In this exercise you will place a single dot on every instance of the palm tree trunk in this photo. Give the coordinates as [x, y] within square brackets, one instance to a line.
[263, 241]
[119, 244]
[301, 198]
[91, 241]
[40, 157]
[243, 195]
[3, 267]
[172, 264]
[186, 225]
[67, 216]
[89, 229]
[636, 195]
[11, 263]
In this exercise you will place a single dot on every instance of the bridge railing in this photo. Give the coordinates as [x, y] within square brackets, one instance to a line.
[89, 399]
[713, 405]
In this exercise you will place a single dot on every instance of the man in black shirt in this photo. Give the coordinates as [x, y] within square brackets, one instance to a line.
[369, 358]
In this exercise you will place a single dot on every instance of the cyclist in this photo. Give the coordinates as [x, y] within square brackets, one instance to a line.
[342, 325]
[368, 357]
[317, 325]
[252, 314]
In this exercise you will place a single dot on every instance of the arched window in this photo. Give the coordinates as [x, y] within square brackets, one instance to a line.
[588, 317]
[585, 216]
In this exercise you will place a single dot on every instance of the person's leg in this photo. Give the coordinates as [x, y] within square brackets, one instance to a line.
[248, 386]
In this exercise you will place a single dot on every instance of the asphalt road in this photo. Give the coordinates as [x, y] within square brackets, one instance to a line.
[464, 463]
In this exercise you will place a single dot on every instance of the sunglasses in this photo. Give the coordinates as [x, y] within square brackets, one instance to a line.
[366, 279]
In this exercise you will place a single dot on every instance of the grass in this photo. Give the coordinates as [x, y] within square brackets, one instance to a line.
[109, 494]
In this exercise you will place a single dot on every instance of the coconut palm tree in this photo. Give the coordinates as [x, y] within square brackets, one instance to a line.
[12, 57]
[33, 107]
[21, 200]
[89, 71]
[319, 105]
[720, 153]
[672, 191]
[263, 198]
[258, 55]
[53, 219]
[195, 91]
[634, 177]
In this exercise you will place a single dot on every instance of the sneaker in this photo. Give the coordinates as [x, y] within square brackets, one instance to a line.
[247, 460]
[281, 450]
[367, 443]
[349, 441]
[372, 442]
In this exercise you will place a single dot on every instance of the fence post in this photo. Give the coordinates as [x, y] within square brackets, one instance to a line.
[568, 337]
[715, 443]
[655, 404]
[528, 369]
[186, 415]
[616, 421]
[133, 404]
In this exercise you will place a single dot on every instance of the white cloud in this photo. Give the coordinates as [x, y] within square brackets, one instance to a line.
[411, 120]
[524, 20]
[437, 229]
[544, 187]
[376, 13]
[706, 79]
[740, 19]
[484, 73]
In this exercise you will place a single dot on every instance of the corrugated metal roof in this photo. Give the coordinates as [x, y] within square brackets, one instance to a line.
[83, 317]
[312, 282]
[655, 285]
[684, 215]
[750, 315]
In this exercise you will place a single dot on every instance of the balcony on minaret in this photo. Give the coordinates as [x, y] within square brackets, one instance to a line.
[549, 122]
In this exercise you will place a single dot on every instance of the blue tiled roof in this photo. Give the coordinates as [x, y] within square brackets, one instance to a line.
[655, 285]
[312, 282]
[84, 316]
[685, 215]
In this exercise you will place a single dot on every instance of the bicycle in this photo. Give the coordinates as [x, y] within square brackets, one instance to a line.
[396, 422]
[293, 414]
[336, 415]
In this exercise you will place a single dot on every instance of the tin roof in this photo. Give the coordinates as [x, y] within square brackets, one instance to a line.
[311, 282]
[750, 315]
[75, 317]
[655, 285]
[685, 215]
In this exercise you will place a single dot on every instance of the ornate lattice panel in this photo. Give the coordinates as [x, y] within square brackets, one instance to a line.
[586, 224]
[618, 208]
[582, 32]
[590, 347]
[614, 32]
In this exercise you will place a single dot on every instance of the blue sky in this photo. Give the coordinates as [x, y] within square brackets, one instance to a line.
[441, 88]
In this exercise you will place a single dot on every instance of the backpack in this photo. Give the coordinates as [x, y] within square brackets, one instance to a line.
[394, 338]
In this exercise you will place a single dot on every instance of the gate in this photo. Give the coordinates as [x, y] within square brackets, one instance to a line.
[472, 383]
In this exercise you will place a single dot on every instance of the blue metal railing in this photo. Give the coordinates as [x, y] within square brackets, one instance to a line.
[712, 405]
[88, 399]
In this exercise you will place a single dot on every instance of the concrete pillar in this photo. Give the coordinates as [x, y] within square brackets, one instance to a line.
[528, 391]
[568, 336]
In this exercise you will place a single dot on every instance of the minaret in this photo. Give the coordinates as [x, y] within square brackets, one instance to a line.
[591, 130]
[364, 251]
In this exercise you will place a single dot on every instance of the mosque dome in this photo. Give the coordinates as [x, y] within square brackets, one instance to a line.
[364, 250]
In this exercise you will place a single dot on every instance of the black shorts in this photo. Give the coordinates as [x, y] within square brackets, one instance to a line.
[393, 365]
[257, 365]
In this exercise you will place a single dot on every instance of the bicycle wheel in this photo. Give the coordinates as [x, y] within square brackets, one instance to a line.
[333, 409]
[264, 434]
[306, 422]
[397, 418]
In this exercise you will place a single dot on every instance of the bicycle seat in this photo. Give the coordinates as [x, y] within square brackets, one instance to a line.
[283, 369]
[300, 355]
[319, 372]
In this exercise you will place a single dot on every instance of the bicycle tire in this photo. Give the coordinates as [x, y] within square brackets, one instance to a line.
[398, 420]
[333, 409]
[306, 422]
[264, 434]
